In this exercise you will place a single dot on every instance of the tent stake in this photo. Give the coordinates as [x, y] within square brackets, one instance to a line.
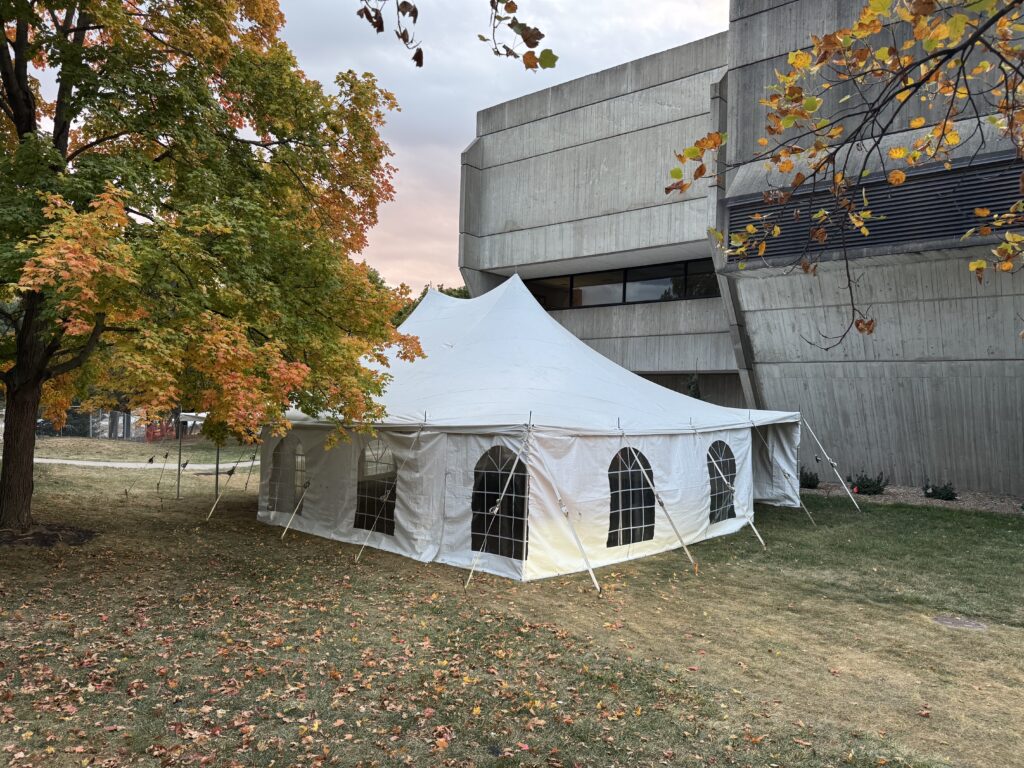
[732, 489]
[661, 503]
[835, 467]
[296, 510]
[497, 505]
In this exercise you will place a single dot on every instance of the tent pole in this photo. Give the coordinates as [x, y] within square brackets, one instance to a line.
[497, 504]
[230, 473]
[376, 517]
[835, 467]
[661, 503]
[296, 510]
[579, 544]
[732, 489]
[181, 431]
[249, 476]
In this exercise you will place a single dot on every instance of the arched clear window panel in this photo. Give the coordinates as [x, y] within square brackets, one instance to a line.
[632, 498]
[376, 488]
[499, 504]
[722, 474]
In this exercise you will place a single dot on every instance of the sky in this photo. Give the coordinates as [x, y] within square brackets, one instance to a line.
[417, 239]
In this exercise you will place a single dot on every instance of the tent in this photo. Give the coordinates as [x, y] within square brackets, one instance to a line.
[515, 449]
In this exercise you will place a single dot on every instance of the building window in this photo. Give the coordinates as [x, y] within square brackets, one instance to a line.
[722, 473]
[499, 504]
[375, 489]
[665, 282]
[632, 498]
[597, 288]
[679, 280]
[552, 292]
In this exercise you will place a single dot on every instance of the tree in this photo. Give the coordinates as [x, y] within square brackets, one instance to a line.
[177, 221]
[912, 84]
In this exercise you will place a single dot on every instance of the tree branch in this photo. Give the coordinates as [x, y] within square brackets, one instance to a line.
[95, 143]
[82, 354]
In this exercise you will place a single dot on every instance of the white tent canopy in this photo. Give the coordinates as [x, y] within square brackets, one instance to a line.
[515, 448]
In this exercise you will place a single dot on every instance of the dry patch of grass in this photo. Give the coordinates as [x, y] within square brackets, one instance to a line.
[170, 641]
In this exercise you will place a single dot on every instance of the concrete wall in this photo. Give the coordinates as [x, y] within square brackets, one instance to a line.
[937, 392]
[571, 179]
[676, 336]
[559, 180]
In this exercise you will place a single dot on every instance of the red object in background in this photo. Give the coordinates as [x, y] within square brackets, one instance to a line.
[159, 431]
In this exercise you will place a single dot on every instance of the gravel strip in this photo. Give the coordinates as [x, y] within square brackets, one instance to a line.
[901, 494]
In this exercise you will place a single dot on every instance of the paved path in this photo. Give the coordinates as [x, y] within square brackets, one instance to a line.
[224, 465]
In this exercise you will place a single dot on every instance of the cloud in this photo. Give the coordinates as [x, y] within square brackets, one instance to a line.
[416, 241]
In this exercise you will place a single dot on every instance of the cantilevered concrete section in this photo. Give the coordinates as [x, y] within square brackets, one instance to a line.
[570, 181]
[566, 188]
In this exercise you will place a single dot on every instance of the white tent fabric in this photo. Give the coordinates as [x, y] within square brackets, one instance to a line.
[578, 441]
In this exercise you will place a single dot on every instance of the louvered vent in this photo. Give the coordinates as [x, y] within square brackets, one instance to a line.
[931, 205]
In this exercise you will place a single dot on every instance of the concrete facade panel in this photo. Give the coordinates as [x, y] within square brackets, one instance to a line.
[915, 421]
[623, 173]
[929, 309]
[655, 319]
[650, 71]
[667, 103]
[651, 354]
[682, 221]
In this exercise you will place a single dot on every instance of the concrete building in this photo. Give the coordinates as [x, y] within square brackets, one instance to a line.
[566, 188]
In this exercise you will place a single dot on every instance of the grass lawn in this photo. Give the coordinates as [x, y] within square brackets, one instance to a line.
[195, 449]
[170, 641]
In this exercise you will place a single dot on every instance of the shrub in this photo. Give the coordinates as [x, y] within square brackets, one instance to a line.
[808, 479]
[944, 492]
[867, 485]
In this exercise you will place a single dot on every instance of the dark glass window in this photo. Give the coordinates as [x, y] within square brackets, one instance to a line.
[722, 473]
[664, 282]
[596, 288]
[701, 282]
[632, 498]
[499, 504]
[375, 489]
[550, 292]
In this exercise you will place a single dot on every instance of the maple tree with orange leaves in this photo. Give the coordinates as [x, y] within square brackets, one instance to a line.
[177, 221]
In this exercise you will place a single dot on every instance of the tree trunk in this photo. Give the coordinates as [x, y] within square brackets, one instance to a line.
[18, 456]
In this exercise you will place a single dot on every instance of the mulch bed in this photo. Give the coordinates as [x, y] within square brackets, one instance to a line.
[47, 536]
[898, 494]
